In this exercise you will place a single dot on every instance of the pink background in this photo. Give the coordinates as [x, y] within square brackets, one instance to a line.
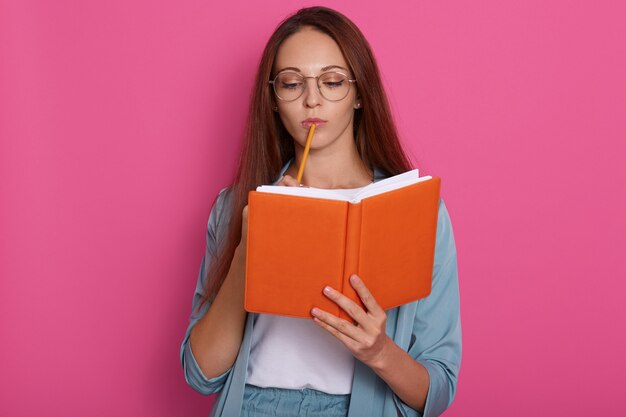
[121, 120]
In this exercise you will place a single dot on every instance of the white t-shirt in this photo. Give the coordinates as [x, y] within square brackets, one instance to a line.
[295, 353]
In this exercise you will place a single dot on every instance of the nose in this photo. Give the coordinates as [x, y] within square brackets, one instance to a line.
[311, 92]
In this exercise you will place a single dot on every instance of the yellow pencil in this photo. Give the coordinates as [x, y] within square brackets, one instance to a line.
[306, 152]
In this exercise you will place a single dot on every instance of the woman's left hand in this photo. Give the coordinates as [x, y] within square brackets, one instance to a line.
[367, 340]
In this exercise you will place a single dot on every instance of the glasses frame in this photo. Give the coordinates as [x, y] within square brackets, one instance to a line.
[317, 83]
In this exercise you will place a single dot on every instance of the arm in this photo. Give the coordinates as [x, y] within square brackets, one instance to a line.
[424, 379]
[406, 377]
[214, 334]
[436, 338]
[370, 344]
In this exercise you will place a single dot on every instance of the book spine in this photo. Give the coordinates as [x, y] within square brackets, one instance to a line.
[353, 247]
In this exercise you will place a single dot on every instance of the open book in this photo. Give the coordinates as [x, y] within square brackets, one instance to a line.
[302, 239]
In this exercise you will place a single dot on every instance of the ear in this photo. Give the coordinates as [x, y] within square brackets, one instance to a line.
[357, 102]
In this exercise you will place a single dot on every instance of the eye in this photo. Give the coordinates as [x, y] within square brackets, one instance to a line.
[290, 86]
[333, 84]
[333, 80]
[290, 81]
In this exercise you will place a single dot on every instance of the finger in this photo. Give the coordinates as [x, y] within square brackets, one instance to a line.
[353, 309]
[366, 296]
[348, 341]
[290, 181]
[337, 325]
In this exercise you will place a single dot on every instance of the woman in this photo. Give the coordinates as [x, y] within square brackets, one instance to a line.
[318, 68]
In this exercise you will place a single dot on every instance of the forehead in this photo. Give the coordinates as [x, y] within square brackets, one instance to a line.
[309, 50]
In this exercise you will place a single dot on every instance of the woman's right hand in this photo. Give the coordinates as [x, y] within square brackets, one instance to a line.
[288, 181]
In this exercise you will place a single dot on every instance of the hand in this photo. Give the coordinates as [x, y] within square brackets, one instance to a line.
[244, 229]
[286, 180]
[289, 181]
[367, 340]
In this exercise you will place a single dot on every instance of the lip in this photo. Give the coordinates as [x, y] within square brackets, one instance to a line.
[312, 120]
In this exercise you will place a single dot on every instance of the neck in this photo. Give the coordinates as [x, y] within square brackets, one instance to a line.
[332, 170]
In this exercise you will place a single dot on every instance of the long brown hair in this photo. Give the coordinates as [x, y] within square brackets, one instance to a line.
[268, 146]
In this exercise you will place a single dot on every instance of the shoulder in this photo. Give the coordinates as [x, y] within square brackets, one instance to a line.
[443, 214]
[223, 197]
[444, 224]
[445, 246]
[220, 212]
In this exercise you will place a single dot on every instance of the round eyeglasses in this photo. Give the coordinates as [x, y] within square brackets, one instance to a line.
[332, 85]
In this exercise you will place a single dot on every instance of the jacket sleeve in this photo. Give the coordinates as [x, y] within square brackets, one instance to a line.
[436, 337]
[193, 374]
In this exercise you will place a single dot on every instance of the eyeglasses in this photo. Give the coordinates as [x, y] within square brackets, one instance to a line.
[332, 85]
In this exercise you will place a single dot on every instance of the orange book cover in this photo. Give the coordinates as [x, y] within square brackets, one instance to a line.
[298, 244]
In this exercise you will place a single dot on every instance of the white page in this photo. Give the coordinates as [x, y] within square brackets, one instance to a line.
[382, 186]
[364, 193]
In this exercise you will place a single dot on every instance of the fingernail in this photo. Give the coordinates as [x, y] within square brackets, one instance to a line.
[315, 311]
[328, 290]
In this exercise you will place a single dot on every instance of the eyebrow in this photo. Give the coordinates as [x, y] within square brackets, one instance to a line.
[326, 68]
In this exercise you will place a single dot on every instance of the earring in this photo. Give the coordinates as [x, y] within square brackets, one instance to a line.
[358, 105]
[275, 108]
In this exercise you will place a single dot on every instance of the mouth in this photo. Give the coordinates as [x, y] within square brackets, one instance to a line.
[312, 120]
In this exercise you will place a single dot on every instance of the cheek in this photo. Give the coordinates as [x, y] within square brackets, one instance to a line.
[289, 120]
[291, 123]
[344, 114]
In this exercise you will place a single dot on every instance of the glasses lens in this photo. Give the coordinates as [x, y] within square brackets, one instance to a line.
[334, 85]
[288, 85]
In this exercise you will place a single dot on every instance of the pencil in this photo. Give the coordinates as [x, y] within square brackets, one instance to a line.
[306, 152]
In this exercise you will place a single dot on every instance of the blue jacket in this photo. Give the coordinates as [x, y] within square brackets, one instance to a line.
[428, 329]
